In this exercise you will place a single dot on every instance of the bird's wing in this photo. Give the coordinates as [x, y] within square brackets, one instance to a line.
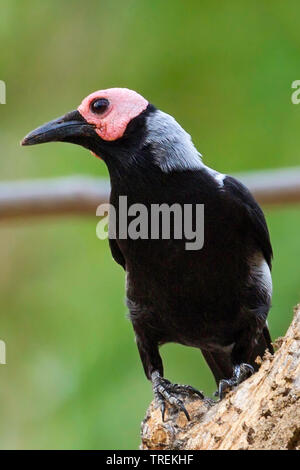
[244, 205]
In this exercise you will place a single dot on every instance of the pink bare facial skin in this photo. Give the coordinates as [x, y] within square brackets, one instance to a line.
[124, 105]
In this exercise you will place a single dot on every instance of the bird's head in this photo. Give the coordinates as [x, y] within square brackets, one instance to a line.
[115, 124]
[100, 119]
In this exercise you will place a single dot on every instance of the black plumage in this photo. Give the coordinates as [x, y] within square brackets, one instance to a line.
[216, 298]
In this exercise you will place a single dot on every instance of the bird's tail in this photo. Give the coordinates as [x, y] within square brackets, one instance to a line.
[263, 343]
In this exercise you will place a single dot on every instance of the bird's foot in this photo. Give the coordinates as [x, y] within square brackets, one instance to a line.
[240, 373]
[174, 394]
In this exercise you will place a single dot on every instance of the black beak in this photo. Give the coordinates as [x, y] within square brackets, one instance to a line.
[71, 127]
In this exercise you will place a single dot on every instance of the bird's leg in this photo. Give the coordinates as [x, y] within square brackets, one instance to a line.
[164, 391]
[240, 356]
[240, 373]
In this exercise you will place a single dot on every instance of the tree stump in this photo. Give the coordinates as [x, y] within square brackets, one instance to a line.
[261, 413]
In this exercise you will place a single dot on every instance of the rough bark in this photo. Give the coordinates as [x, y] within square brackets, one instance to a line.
[262, 413]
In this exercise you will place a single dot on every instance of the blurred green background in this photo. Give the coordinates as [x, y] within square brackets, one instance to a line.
[73, 377]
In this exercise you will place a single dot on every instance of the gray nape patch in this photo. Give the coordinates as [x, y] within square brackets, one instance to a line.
[172, 147]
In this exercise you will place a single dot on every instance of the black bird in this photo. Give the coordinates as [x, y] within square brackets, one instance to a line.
[215, 298]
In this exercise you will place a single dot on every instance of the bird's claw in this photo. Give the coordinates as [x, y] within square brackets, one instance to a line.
[165, 391]
[240, 373]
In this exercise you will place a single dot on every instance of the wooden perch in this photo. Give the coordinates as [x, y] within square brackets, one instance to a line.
[262, 413]
[77, 195]
[80, 195]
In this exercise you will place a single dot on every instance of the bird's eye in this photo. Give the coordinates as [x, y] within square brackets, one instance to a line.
[99, 106]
